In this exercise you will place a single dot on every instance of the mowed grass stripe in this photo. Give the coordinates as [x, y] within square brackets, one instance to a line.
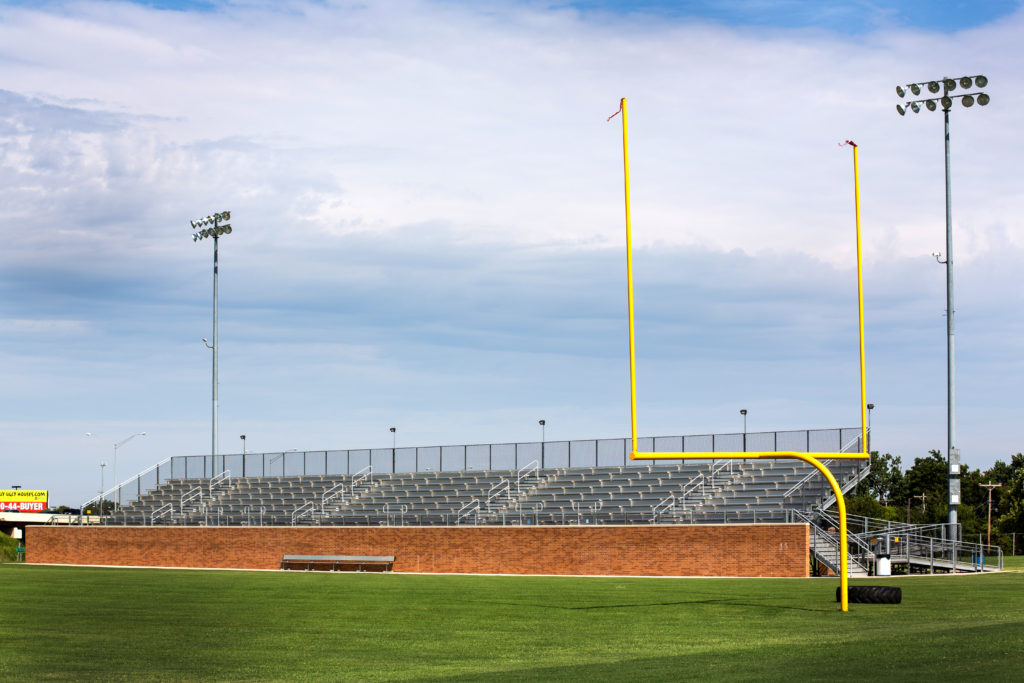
[69, 623]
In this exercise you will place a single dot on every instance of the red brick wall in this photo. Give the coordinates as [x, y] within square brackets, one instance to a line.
[675, 550]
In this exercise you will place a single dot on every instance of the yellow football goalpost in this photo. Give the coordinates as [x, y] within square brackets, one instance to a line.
[814, 459]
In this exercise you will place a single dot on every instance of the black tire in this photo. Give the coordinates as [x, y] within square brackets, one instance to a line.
[874, 595]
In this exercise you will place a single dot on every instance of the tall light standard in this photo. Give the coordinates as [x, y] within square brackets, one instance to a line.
[947, 85]
[743, 412]
[211, 227]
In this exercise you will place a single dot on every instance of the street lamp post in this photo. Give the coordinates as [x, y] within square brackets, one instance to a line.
[103, 483]
[947, 85]
[394, 442]
[211, 227]
[543, 438]
[116, 446]
[870, 407]
[743, 412]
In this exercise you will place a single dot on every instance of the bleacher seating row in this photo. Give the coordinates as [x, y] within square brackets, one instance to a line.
[691, 492]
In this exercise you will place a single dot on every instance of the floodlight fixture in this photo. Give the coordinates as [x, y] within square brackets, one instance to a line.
[933, 86]
[931, 105]
[980, 81]
[916, 107]
[967, 100]
[915, 88]
[947, 102]
[983, 99]
[900, 91]
[965, 82]
[901, 110]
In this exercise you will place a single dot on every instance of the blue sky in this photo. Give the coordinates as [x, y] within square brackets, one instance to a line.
[427, 207]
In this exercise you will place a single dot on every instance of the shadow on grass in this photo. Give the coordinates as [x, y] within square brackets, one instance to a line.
[676, 603]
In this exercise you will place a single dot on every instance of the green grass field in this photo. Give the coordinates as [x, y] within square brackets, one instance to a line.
[88, 624]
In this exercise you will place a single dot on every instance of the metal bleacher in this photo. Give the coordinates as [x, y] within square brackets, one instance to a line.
[690, 492]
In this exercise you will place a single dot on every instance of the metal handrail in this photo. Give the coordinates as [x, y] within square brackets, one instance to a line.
[593, 509]
[222, 478]
[336, 491]
[531, 468]
[191, 495]
[162, 511]
[817, 533]
[496, 491]
[814, 474]
[664, 505]
[363, 478]
[467, 509]
[107, 495]
[302, 511]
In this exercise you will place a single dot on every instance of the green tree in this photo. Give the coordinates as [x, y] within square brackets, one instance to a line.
[927, 487]
[1011, 498]
[884, 482]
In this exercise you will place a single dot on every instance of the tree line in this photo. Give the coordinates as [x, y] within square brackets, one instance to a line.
[920, 495]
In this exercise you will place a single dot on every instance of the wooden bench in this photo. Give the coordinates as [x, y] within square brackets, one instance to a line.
[339, 563]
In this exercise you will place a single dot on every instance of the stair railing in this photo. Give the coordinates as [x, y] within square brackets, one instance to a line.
[221, 480]
[470, 508]
[499, 495]
[304, 510]
[336, 492]
[160, 512]
[664, 506]
[528, 474]
[593, 509]
[362, 481]
[194, 494]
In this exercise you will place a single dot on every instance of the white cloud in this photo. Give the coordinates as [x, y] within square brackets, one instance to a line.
[427, 202]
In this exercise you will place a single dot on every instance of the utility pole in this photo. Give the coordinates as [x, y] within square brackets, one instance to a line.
[990, 486]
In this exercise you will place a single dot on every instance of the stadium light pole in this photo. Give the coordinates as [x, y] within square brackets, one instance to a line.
[743, 412]
[947, 85]
[211, 227]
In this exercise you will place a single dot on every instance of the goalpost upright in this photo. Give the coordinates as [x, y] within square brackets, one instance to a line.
[814, 459]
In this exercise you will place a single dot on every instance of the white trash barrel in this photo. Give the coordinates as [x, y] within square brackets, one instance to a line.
[883, 566]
